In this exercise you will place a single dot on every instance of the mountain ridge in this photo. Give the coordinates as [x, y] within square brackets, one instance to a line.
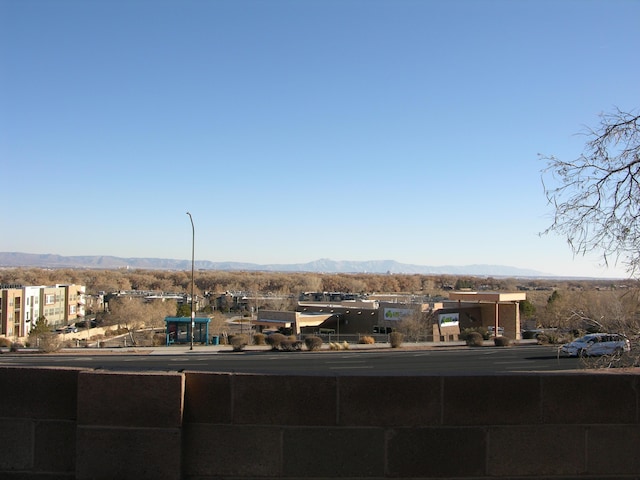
[322, 265]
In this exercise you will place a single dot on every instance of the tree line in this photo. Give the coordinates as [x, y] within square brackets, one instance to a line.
[550, 303]
[286, 283]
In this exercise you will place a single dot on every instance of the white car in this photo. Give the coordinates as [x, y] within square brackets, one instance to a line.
[492, 330]
[597, 344]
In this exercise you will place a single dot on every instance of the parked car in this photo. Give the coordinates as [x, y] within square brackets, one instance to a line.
[491, 329]
[83, 324]
[67, 329]
[596, 344]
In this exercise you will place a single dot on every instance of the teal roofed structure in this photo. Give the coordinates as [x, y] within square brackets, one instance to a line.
[178, 330]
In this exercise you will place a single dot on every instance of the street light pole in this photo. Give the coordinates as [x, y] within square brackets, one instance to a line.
[193, 312]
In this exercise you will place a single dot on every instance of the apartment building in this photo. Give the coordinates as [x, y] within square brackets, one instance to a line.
[21, 306]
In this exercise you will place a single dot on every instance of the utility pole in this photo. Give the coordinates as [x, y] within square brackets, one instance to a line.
[193, 312]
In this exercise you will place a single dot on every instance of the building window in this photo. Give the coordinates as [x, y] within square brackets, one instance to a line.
[49, 299]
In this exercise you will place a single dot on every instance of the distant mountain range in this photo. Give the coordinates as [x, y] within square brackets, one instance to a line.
[324, 265]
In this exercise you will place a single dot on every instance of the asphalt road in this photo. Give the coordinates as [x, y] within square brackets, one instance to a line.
[449, 361]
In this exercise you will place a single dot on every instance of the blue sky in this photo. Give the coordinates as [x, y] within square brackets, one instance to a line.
[306, 129]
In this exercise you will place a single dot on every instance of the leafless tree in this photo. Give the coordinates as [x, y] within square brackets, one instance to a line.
[416, 326]
[606, 311]
[597, 196]
[134, 314]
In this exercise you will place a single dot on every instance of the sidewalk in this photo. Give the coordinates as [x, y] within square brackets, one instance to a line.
[185, 349]
[199, 348]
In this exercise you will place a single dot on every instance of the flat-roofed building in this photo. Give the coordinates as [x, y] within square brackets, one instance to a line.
[11, 311]
[490, 310]
[441, 320]
[22, 306]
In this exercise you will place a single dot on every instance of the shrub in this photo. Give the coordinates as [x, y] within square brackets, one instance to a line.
[502, 341]
[115, 331]
[484, 333]
[552, 338]
[313, 343]
[465, 333]
[275, 340]
[474, 339]
[367, 340]
[259, 339]
[280, 342]
[159, 339]
[49, 342]
[238, 342]
[396, 339]
[559, 339]
[542, 339]
[5, 342]
[289, 345]
[16, 346]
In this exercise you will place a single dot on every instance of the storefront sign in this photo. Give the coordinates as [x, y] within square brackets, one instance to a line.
[396, 313]
[448, 319]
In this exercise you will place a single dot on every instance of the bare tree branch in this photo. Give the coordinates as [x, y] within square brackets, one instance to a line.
[596, 197]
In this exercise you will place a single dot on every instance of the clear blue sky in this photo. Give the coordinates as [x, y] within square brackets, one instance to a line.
[295, 130]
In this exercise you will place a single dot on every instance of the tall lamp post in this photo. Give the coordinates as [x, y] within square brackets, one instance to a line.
[193, 312]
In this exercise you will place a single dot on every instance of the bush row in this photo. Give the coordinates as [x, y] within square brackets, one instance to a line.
[280, 342]
[476, 339]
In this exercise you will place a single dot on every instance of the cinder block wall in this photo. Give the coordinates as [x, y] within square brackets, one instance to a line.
[38, 412]
[98, 425]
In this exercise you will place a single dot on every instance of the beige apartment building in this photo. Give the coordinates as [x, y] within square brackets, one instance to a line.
[22, 306]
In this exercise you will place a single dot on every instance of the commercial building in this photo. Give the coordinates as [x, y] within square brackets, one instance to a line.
[442, 320]
[22, 306]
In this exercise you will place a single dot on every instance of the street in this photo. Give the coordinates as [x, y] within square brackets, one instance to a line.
[448, 361]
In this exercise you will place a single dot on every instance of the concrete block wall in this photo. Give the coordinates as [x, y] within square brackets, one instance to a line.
[532, 426]
[129, 425]
[38, 422]
[84, 424]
